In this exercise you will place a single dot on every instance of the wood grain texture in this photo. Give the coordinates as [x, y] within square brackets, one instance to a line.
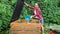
[25, 28]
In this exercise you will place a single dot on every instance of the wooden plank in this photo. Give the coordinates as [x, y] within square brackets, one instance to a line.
[25, 28]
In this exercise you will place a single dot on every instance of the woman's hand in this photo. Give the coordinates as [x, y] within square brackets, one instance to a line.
[26, 4]
[32, 16]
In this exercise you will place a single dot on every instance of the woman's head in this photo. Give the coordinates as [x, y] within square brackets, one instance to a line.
[36, 4]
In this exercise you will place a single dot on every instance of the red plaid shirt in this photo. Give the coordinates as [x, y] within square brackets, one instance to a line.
[37, 12]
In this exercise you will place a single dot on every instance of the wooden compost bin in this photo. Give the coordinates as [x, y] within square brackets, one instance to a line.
[25, 27]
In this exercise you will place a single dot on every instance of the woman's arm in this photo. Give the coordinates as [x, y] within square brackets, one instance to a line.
[28, 5]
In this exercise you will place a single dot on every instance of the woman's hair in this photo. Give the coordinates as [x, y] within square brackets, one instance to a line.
[38, 3]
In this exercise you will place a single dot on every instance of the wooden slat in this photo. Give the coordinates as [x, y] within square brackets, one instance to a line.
[25, 28]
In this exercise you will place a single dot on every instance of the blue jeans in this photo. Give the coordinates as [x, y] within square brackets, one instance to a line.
[42, 21]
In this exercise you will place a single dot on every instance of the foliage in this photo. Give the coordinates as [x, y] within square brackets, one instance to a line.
[50, 11]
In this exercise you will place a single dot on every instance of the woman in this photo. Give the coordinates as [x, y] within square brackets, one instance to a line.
[37, 13]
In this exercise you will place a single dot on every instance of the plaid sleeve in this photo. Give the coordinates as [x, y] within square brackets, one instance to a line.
[30, 6]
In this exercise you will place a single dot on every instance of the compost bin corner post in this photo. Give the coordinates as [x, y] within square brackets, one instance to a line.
[17, 10]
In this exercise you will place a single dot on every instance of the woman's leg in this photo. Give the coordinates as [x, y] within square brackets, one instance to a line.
[42, 21]
[42, 32]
